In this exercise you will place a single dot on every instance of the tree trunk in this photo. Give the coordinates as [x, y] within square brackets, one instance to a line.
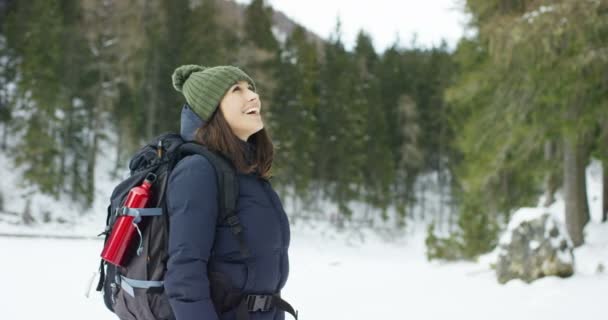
[152, 103]
[152, 99]
[551, 181]
[422, 201]
[441, 220]
[68, 147]
[120, 144]
[4, 136]
[605, 172]
[575, 194]
[95, 126]
[605, 191]
[91, 163]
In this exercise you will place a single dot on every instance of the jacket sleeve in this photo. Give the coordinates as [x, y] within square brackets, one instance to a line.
[193, 208]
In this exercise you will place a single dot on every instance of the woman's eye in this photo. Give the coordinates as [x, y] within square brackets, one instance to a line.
[235, 89]
[250, 88]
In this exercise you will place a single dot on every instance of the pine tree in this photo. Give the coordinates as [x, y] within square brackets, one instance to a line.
[401, 118]
[392, 78]
[411, 154]
[377, 182]
[342, 156]
[294, 120]
[258, 26]
[70, 61]
[258, 52]
[38, 43]
[113, 71]
[7, 75]
[520, 90]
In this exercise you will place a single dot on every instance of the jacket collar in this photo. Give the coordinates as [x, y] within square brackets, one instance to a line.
[190, 121]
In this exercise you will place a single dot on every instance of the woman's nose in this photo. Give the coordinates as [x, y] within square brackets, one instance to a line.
[252, 95]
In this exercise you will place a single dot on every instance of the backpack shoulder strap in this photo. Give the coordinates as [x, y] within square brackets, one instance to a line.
[228, 186]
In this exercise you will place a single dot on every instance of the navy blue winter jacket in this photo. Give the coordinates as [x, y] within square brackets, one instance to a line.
[196, 245]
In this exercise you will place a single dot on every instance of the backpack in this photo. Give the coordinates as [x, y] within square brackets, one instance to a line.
[135, 291]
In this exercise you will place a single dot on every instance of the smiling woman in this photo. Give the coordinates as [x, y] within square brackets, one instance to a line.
[216, 270]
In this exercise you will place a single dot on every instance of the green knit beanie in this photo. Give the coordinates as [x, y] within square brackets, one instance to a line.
[204, 87]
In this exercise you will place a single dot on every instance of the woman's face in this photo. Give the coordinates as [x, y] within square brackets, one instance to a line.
[241, 107]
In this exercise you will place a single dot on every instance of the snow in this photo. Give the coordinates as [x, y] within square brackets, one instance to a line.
[529, 214]
[523, 215]
[80, 222]
[279, 35]
[534, 244]
[328, 280]
[594, 190]
[530, 16]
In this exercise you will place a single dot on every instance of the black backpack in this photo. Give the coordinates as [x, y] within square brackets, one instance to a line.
[135, 291]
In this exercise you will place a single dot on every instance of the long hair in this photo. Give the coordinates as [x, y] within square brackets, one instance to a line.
[217, 136]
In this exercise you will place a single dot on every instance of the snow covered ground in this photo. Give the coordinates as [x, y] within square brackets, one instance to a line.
[329, 280]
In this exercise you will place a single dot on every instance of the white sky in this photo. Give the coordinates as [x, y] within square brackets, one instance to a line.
[384, 20]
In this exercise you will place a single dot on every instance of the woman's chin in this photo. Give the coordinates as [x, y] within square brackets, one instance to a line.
[260, 126]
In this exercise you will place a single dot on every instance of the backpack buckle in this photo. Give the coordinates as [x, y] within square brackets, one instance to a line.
[256, 302]
[235, 224]
[233, 220]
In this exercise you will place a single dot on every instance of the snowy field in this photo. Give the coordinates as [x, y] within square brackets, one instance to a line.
[329, 279]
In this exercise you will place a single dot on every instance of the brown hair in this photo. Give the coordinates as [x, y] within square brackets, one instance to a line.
[217, 136]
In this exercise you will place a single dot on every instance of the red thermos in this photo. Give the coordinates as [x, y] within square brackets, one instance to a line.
[124, 228]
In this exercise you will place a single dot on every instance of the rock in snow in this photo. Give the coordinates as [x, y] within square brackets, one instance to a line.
[535, 245]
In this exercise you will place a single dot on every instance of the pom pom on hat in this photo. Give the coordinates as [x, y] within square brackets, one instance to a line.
[181, 74]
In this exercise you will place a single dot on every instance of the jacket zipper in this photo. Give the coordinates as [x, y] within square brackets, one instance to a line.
[281, 224]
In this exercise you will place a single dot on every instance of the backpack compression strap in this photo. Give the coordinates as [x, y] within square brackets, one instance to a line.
[228, 186]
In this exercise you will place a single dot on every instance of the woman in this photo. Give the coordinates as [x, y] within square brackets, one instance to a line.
[224, 114]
